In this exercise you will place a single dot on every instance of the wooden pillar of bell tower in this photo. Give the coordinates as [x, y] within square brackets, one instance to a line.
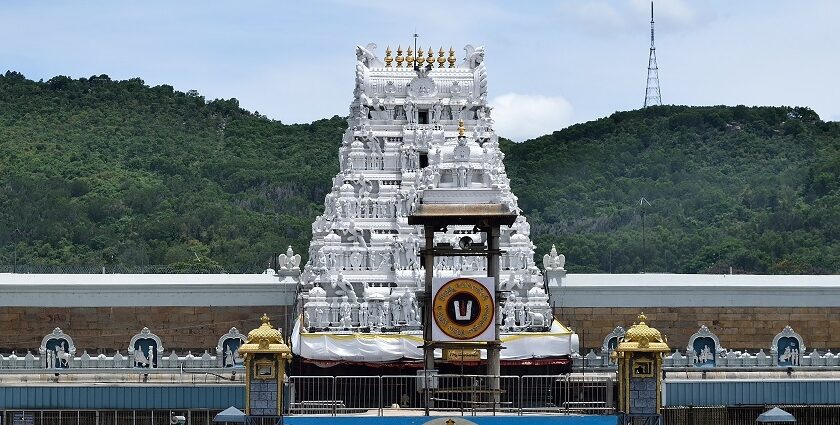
[487, 218]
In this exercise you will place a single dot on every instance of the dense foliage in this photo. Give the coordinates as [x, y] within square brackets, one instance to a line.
[754, 189]
[102, 172]
[96, 171]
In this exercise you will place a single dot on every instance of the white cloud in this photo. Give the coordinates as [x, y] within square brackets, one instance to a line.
[520, 116]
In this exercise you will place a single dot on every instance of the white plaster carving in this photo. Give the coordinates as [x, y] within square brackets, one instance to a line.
[553, 260]
[229, 357]
[707, 355]
[289, 260]
[792, 354]
[145, 358]
[60, 355]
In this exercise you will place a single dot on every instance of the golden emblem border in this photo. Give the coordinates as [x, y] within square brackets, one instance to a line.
[479, 291]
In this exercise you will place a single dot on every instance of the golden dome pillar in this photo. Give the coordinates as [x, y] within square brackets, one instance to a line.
[639, 357]
[265, 354]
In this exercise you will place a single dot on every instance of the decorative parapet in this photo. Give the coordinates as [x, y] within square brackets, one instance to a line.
[145, 349]
[787, 348]
[703, 348]
[227, 351]
[610, 342]
[57, 350]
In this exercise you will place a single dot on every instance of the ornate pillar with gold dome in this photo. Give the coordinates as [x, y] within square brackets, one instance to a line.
[265, 354]
[639, 358]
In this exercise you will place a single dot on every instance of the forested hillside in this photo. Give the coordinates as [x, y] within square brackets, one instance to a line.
[101, 172]
[755, 189]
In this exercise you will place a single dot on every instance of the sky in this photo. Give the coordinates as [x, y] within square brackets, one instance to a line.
[550, 64]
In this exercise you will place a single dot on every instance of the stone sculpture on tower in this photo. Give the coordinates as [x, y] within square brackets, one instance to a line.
[364, 270]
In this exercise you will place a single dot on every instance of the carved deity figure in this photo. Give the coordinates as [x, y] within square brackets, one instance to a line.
[364, 314]
[410, 111]
[229, 357]
[395, 312]
[521, 315]
[553, 260]
[408, 304]
[140, 358]
[437, 112]
[344, 287]
[321, 317]
[346, 309]
[356, 235]
[377, 108]
[466, 112]
[508, 312]
[462, 177]
[512, 283]
[61, 357]
[522, 227]
[706, 355]
[379, 315]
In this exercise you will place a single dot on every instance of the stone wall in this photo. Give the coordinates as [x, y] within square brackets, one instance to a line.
[107, 329]
[738, 328]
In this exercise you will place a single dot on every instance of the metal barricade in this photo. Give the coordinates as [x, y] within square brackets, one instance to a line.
[567, 394]
[400, 395]
[358, 394]
[402, 392]
[539, 393]
[589, 394]
[313, 395]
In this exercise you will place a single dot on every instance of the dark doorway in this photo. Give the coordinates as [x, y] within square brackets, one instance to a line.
[423, 116]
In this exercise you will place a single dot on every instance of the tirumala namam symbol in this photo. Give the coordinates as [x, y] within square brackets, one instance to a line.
[463, 312]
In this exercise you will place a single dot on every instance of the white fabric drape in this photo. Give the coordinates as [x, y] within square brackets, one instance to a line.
[364, 347]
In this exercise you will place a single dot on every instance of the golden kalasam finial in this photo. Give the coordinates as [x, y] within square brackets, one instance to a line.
[388, 58]
[431, 59]
[451, 59]
[265, 320]
[409, 59]
[419, 59]
[461, 128]
[642, 318]
[400, 57]
[441, 60]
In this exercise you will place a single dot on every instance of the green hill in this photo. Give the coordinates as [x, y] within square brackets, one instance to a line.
[755, 189]
[102, 172]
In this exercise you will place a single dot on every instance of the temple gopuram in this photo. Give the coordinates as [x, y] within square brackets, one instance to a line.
[419, 120]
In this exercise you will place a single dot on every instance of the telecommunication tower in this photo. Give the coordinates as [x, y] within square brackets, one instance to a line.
[652, 95]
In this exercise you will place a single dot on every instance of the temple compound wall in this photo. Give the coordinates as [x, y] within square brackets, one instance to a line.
[107, 329]
[739, 328]
[744, 311]
[103, 312]
[191, 312]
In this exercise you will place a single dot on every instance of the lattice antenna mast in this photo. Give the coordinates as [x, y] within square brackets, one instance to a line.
[652, 94]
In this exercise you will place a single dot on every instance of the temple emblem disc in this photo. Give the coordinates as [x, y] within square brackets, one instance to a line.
[463, 309]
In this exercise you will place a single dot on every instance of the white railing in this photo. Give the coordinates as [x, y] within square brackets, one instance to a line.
[723, 360]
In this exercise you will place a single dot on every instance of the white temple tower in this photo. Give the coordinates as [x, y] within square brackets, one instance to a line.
[364, 266]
